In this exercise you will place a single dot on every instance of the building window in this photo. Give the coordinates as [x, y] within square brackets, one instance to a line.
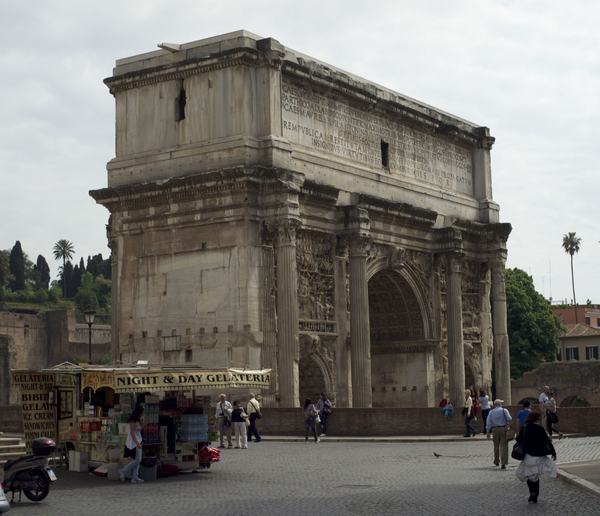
[180, 103]
[385, 154]
[587, 321]
[591, 352]
[572, 353]
[188, 355]
[598, 322]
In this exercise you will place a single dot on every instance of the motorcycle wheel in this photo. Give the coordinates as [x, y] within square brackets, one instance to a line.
[41, 490]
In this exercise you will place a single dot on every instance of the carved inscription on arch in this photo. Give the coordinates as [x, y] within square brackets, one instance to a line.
[334, 126]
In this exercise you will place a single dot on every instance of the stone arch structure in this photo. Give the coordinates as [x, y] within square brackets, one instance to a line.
[402, 372]
[316, 367]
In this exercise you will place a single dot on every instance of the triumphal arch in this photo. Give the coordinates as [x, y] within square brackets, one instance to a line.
[268, 210]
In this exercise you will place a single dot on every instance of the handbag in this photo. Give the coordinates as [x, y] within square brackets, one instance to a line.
[518, 451]
[256, 411]
[510, 431]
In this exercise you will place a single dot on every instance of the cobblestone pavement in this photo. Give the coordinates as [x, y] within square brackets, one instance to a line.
[329, 479]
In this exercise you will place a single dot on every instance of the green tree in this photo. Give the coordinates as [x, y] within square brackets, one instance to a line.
[94, 292]
[5, 275]
[43, 273]
[533, 329]
[17, 267]
[571, 244]
[63, 250]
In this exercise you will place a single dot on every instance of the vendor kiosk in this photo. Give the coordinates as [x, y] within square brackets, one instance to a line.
[86, 408]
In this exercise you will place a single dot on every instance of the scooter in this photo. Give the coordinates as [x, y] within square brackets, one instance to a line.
[30, 474]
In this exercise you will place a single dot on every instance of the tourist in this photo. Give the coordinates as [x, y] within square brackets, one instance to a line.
[325, 408]
[484, 403]
[537, 446]
[552, 416]
[238, 421]
[497, 424]
[543, 400]
[133, 442]
[444, 401]
[253, 410]
[448, 409]
[543, 397]
[467, 411]
[522, 414]
[223, 416]
[475, 407]
[311, 417]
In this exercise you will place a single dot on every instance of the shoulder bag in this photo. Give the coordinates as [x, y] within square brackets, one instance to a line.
[257, 411]
[518, 451]
[510, 431]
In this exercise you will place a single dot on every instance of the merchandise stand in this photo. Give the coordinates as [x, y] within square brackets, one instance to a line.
[178, 418]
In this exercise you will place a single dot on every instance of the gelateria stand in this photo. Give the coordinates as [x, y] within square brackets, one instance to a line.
[86, 408]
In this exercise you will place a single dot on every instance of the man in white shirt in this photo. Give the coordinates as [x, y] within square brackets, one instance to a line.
[223, 415]
[543, 397]
[543, 400]
[253, 410]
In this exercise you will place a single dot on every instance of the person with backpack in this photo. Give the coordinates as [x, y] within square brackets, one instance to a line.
[325, 408]
[311, 418]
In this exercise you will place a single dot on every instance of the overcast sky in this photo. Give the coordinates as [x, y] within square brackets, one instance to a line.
[528, 70]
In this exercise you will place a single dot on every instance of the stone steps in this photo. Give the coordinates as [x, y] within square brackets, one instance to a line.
[11, 448]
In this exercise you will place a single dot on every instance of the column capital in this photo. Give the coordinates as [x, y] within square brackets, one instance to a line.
[341, 247]
[358, 245]
[281, 232]
[286, 231]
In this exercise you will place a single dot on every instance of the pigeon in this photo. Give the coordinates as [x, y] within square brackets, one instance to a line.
[436, 455]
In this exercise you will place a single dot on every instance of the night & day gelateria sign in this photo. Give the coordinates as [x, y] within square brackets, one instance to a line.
[141, 381]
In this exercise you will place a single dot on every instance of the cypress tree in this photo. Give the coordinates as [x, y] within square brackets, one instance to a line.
[17, 267]
[67, 279]
[43, 273]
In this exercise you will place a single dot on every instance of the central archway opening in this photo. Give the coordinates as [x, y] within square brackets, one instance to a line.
[402, 368]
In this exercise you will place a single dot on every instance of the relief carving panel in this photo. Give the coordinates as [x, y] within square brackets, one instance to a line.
[316, 302]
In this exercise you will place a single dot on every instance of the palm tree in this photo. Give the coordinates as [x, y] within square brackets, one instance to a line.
[63, 249]
[571, 244]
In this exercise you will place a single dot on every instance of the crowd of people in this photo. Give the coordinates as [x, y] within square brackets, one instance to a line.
[237, 422]
[534, 427]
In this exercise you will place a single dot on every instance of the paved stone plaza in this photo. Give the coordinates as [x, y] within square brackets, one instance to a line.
[332, 478]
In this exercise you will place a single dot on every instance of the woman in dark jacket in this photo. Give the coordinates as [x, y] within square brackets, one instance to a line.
[537, 446]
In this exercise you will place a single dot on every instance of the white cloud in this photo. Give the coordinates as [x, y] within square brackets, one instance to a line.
[528, 69]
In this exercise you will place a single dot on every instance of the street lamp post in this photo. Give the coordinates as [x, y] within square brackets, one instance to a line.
[89, 319]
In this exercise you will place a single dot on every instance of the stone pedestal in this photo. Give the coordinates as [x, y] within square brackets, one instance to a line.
[456, 352]
[287, 315]
[501, 348]
[359, 325]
